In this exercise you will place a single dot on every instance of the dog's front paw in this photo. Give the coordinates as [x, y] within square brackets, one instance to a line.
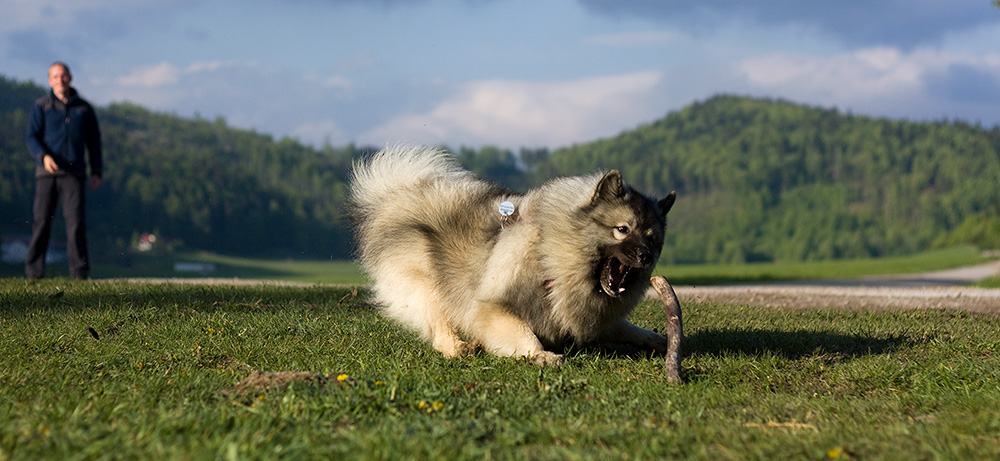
[650, 341]
[546, 358]
[656, 342]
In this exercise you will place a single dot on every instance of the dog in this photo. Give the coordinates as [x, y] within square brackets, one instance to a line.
[468, 263]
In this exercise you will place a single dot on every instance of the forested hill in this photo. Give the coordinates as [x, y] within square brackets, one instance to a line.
[756, 179]
[769, 180]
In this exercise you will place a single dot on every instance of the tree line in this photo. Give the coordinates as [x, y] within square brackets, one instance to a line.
[757, 180]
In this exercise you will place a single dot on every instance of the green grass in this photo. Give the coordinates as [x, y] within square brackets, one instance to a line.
[762, 383]
[989, 282]
[346, 272]
[311, 271]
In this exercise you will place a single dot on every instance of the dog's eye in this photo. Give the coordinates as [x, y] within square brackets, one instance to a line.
[622, 229]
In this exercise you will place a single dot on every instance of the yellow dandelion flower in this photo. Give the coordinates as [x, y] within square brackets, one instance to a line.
[342, 377]
[834, 452]
[422, 404]
[437, 406]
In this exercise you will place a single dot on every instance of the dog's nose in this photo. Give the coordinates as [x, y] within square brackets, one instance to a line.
[644, 255]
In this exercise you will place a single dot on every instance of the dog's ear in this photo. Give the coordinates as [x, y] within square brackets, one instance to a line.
[609, 186]
[667, 202]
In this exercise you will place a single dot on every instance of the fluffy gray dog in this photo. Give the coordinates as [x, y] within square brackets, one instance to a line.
[467, 263]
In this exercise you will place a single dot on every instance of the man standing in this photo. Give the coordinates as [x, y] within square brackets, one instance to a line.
[61, 126]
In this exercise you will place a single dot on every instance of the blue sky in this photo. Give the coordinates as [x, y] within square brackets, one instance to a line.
[510, 73]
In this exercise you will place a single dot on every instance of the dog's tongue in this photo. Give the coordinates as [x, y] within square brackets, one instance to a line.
[613, 277]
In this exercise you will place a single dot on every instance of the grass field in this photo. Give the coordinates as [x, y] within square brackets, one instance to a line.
[119, 370]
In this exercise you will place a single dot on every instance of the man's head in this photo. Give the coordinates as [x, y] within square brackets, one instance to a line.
[59, 79]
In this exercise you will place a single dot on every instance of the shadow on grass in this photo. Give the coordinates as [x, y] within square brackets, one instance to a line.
[219, 270]
[22, 296]
[143, 268]
[790, 344]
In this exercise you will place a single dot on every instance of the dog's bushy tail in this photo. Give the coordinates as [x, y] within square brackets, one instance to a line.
[396, 169]
[402, 186]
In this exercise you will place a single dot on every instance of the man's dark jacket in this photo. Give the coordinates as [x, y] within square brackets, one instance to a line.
[64, 131]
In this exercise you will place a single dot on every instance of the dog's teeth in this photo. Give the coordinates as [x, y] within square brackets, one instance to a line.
[621, 290]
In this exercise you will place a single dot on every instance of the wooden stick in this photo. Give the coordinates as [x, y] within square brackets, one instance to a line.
[675, 330]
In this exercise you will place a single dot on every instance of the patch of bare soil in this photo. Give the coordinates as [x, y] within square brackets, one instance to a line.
[263, 381]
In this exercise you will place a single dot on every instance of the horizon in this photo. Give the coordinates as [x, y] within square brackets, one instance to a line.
[516, 149]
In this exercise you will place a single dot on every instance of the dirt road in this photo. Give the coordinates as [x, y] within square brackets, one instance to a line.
[935, 290]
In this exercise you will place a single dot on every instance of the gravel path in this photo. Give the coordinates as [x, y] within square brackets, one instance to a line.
[859, 298]
[935, 290]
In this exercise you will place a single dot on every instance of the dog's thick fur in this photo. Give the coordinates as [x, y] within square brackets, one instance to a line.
[567, 266]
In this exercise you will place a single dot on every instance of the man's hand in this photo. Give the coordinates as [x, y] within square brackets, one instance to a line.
[50, 164]
[95, 182]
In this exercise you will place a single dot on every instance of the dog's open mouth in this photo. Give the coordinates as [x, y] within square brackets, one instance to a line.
[613, 275]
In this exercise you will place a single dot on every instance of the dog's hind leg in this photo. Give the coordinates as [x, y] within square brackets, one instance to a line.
[417, 305]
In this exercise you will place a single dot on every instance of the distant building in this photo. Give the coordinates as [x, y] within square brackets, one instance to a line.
[146, 242]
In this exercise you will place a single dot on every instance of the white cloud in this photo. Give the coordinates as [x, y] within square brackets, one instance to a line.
[856, 76]
[898, 22]
[167, 74]
[331, 81]
[515, 113]
[162, 74]
[337, 81]
[212, 66]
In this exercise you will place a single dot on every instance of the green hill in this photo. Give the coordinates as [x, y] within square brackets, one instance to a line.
[761, 179]
[757, 179]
